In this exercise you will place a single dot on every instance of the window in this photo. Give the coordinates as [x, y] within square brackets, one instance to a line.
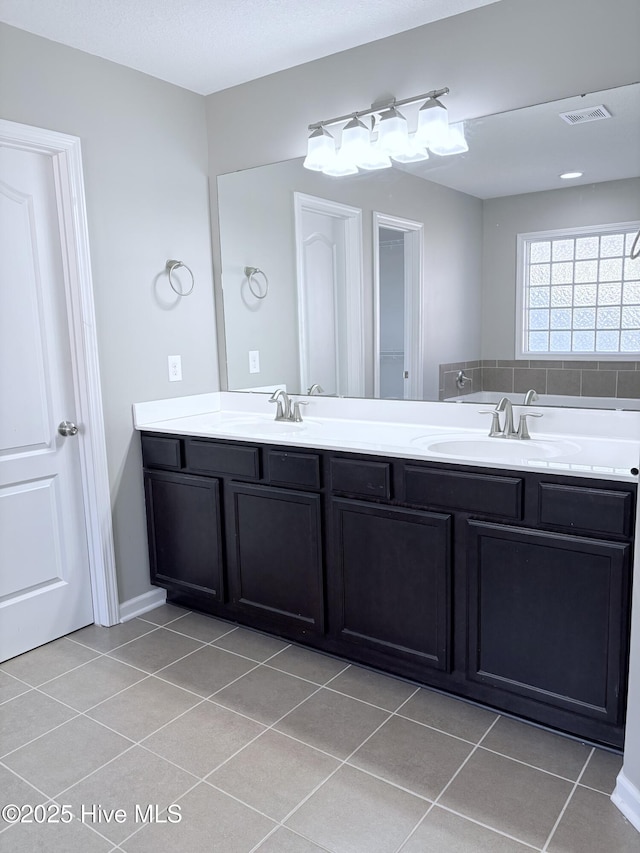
[579, 293]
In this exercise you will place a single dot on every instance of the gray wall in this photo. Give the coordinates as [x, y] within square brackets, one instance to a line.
[145, 164]
[504, 218]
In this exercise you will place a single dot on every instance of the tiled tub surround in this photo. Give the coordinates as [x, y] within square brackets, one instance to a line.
[614, 379]
[270, 748]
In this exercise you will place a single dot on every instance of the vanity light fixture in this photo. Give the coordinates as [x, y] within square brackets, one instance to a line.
[370, 139]
[568, 176]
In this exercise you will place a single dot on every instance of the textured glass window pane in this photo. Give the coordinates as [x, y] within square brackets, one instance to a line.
[560, 342]
[607, 341]
[587, 247]
[611, 244]
[562, 250]
[631, 318]
[561, 296]
[630, 342]
[538, 341]
[539, 274]
[584, 341]
[584, 318]
[610, 294]
[632, 268]
[631, 293]
[585, 294]
[562, 273]
[586, 271]
[539, 297]
[608, 318]
[561, 318]
[538, 319]
[540, 252]
[611, 269]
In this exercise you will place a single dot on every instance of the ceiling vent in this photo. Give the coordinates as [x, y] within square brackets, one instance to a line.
[588, 114]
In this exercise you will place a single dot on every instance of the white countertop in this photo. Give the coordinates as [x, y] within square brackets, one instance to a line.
[599, 444]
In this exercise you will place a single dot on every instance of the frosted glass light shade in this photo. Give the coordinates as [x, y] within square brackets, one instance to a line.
[355, 141]
[453, 143]
[375, 159]
[321, 150]
[340, 166]
[413, 152]
[433, 124]
[392, 132]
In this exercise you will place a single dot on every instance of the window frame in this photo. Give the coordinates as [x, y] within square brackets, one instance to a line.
[521, 325]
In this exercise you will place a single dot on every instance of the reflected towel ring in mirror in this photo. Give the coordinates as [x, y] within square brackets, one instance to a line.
[250, 273]
[170, 267]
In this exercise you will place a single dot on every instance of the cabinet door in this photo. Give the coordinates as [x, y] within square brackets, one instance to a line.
[547, 619]
[275, 557]
[390, 581]
[183, 523]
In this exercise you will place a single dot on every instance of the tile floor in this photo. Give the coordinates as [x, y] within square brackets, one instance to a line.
[259, 745]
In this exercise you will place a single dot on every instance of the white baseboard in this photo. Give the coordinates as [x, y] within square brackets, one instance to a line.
[142, 604]
[627, 798]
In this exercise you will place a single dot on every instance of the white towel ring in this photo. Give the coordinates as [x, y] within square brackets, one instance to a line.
[174, 265]
[250, 273]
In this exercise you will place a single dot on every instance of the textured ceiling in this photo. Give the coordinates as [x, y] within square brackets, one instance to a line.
[209, 45]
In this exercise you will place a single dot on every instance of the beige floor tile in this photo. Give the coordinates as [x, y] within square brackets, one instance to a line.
[62, 757]
[307, 664]
[203, 738]
[538, 747]
[207, 670]
[154, 651]
[592, 824]
[264, 694]
[448, 714]
[443, 832]
[273, 774]
[334, 723]
[210, 821]
[285, 841]
[105, 639]
[135, 778]
[354, 812]
[251, 644]
[412, 756]
[141, 709]
[11, 687]
[602, 770]
[48, 661]
[201, 627]
[93, 682]
[508, 796]
[71, 837]
[381, 690]
[27, 717]
[164, 614]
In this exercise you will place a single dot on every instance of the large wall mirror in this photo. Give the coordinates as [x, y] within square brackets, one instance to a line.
[390, 283]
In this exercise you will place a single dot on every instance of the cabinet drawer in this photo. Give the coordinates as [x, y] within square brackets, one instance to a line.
[293, 469]
[359, 477]
[482, 493]
[160, 452]
[211, 457]
[592, 510]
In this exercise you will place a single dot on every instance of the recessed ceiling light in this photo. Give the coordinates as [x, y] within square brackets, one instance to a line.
[567, 176]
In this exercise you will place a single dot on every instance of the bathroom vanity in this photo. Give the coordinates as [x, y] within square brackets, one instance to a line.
[505, 582]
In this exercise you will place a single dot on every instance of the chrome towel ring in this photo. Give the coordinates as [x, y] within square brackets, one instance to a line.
[174, 265]
[250, 273]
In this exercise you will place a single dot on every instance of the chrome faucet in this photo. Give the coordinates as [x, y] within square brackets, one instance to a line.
[530, 397]
[506, 406]
[283, 411]
[315, 389]
[507, 430]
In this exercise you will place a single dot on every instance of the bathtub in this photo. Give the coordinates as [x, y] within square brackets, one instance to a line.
[492, 397]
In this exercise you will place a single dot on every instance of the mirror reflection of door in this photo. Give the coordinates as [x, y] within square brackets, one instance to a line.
[398, 305]
[329, 285]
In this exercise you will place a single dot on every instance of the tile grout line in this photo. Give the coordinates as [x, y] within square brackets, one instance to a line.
[568, 800]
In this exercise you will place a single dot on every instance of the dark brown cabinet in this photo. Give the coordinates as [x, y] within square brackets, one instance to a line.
[509, 588]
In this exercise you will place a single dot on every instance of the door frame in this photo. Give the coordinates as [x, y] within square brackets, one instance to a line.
[66, 157]
[413, 301]
[351, 218]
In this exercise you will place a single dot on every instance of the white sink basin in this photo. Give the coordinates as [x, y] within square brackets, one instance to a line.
[498, 449]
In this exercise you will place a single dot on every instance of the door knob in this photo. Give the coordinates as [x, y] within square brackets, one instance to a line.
[67, 428]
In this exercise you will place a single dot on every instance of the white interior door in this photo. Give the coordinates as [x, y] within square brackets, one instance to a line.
[45, 588]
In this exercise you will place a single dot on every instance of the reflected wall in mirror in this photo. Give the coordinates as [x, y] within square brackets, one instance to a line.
[330, 319]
